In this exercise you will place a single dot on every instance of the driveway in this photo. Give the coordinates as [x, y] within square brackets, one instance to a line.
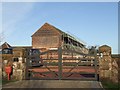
[53, 84]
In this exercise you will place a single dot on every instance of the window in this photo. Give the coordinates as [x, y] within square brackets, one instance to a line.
[7, 51]
[15, 59]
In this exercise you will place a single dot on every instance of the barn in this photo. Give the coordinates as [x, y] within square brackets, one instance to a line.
[49, 37]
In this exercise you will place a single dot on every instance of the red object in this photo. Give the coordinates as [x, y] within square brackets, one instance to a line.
[8, 70]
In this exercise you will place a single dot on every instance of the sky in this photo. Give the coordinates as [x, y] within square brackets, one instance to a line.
[95, 23]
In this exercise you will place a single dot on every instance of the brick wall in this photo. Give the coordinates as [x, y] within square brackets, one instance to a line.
[45, 41]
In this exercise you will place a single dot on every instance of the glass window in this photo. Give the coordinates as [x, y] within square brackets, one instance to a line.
[7, 51]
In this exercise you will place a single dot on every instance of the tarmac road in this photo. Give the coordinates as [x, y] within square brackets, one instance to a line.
[53, 84]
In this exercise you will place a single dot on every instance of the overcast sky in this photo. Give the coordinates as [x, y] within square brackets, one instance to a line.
[95, 23]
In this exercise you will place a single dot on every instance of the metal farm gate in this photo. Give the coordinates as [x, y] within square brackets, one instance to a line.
[64, 65]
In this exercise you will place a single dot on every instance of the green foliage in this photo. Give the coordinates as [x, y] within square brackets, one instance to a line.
[6, 81]
[110, 85]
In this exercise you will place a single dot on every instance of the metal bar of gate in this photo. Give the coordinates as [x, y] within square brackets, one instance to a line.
[60, 63]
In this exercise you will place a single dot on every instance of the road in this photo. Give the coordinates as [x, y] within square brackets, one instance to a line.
[53, 84]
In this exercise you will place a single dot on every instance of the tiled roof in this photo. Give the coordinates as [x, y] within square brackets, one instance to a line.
[46, 26]
[5, 45]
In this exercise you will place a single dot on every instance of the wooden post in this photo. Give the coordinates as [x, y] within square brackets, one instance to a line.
[27, 65]
[95, 63]
[60, 62]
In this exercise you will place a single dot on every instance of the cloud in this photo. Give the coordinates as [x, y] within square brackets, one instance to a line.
[13, 13]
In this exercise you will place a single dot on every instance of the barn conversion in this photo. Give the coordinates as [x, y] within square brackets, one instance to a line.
[49, 37]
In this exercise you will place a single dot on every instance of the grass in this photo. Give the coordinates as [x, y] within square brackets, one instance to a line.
[6, 81]
[110, 86]
[0, 82]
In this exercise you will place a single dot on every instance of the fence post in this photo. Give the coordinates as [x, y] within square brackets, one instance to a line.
[27, 65]
[60, 62]
[95, 63]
